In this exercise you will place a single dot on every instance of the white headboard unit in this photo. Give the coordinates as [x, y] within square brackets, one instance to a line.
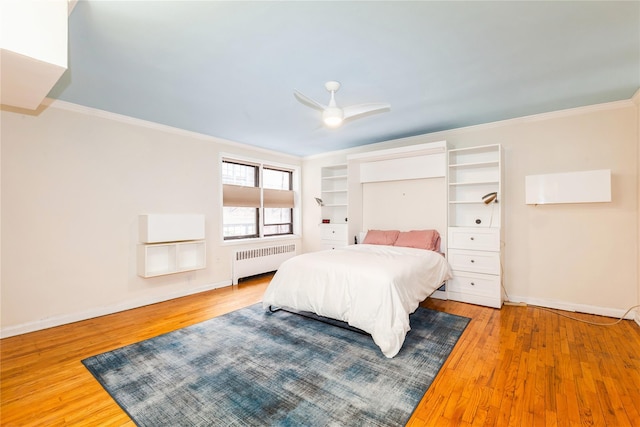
[403, 188]
[405, 205]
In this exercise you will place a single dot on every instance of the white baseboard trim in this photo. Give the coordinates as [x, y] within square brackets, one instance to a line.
[578, 308]
[637, 317]
[51, 322]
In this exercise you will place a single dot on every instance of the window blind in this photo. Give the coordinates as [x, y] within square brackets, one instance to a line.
[240, 196]
[277, 198]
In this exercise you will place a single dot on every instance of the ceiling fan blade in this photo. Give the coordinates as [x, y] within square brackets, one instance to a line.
[356, 110]
[308, 101]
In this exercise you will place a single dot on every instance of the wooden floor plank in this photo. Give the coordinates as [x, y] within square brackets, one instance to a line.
[514, 366]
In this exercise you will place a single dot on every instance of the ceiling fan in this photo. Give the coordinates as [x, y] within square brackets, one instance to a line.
[332, 115]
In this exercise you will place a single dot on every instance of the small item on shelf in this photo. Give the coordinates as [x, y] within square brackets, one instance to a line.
[326, 221]
[491, 197]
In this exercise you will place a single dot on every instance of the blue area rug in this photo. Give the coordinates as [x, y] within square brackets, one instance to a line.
[252, 368]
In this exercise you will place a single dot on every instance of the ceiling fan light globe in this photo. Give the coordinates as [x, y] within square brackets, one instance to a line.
[332, 117]
[333, 122]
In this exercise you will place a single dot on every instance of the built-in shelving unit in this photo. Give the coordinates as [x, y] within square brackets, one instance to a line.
[170, 244]
[473, 173]
[475, 231]
[334, 195]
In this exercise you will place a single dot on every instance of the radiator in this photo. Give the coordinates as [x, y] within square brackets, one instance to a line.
[249, 262]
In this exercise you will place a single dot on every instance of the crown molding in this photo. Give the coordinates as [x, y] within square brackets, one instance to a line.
[442, 135]
[434, 136]
[94, 112]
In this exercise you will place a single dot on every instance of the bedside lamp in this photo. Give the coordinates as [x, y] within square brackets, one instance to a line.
[490, 198]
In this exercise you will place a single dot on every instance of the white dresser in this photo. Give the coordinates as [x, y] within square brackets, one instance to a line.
[475, 232]
[474, 256]
[333, 235]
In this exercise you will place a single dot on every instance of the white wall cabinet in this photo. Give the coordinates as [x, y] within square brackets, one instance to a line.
[334, 195]
[160, 228]
[569, 187]
[475, 231]
[170, 243]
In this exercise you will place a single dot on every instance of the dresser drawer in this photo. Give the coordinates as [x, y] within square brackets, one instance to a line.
[474, 284]
[333, 232]
[486, 239]
[326, 244]
[474, 261]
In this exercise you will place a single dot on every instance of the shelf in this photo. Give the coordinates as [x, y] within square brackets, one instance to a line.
[475, 148]
[469, 202]
[167, 258]
[333, 191]
[475, 164]
[474, 183]
[329, 178]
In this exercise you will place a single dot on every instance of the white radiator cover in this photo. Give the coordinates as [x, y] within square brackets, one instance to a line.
[249, 262]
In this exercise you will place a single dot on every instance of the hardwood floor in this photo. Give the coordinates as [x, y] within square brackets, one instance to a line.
[520, 366]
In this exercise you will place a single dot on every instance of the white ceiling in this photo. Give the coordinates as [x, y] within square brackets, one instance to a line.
[229, 69]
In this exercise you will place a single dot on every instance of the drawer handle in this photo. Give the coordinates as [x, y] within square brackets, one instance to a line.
[473, 284]
[472, 238]
[473, 260]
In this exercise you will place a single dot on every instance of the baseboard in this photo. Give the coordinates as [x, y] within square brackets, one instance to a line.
[637, 317]
[51, 322]
[578, 308]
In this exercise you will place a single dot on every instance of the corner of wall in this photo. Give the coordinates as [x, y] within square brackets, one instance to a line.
[636, 97]
[636, 100]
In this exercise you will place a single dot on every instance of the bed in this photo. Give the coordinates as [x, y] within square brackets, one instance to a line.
[373, 286]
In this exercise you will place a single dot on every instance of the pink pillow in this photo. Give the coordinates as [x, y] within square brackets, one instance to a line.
[381, 237]
[421, 239]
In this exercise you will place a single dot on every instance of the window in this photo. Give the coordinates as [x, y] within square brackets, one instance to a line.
[257, 200]
[278, 201]
[241, 200]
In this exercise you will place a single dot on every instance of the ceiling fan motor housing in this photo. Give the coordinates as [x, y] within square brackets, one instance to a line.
[332, 86]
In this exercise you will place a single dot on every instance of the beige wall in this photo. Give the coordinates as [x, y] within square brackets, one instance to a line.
[572, 256]
[73, 185]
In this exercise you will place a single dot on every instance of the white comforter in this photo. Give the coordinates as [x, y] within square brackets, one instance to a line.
[371, 287]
